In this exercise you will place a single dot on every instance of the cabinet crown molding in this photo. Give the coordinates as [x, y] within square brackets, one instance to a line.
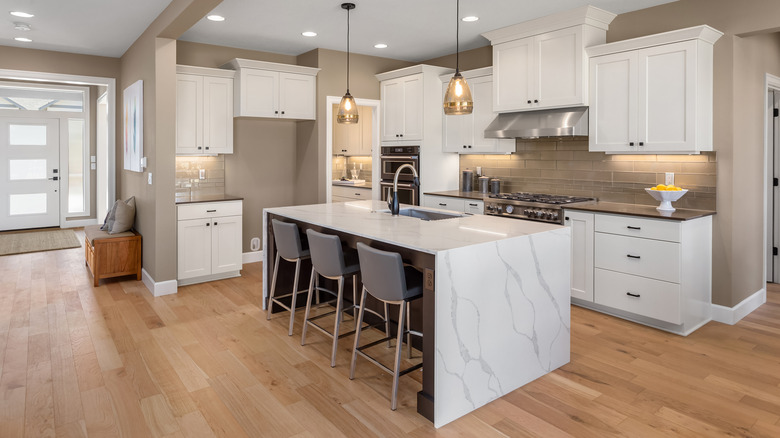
[205, 71]
[702, 33]
[415, 69]
[469, 74]
[585, 15]
[239, 63]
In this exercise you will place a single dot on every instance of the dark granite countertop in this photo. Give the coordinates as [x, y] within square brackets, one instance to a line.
[681, 214]
[206, 198]
[460, 194]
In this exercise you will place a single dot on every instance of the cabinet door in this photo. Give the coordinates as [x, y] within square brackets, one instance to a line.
[259, 93]
[613, 103]
[189, 114]
[392, 110]
[581, 225]
[226, 244]
[346, 137]
[413, 108]
[218, 115]
[558, 68]
[483, 115]
[297, 96]
[444, 203]
[366, 114]
[512, 74]
[667, 93]
[472, 206]
[194, 248]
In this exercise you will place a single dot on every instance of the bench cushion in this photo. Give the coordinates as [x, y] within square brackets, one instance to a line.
[93, 232]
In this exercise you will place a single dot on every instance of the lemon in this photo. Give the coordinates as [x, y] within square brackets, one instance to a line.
[660, 187]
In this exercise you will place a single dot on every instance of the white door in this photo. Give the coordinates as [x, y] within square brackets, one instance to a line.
[413, 108]
[189, 114]
[613, 102]
[218, 115]
[29, 173]
[194, 248]
[226, 244]
[581, 225]
[558, 68]
[392, 110]
[774, 272]
[296, 96]
[513, 76]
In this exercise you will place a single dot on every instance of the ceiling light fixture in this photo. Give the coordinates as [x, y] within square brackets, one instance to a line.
[348, 112]
[21, 14]
[470, 18]
[309, 33]
[23, 39]
[380, 46]
[22, 26]
[216, 18]
[457, 99]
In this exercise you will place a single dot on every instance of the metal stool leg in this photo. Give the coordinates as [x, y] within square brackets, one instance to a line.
[308, 305]
[357, 334]
[408, 328]
[354, 296]
[398, 348]
[387, 328]
[271, 293]
[295, 297]
[339, 310]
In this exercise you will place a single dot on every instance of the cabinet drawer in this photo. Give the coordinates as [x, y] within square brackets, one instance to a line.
[473, 207]
[351, 192]
[639, 295]
[444, 202]
[209, 209]
[638, 227]
[631, 255]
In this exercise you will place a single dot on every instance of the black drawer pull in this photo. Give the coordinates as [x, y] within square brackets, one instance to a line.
[207, 224]
[633, 256]
[632, 295]
[211, 211]
[633, 228]
[443, 205]
[473, 205]
[357, 194]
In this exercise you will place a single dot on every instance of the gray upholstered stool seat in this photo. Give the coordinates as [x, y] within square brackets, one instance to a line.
[387, 279]
[290, 248]
[330, 261]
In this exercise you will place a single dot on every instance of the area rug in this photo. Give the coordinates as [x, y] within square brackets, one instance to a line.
[34, 241]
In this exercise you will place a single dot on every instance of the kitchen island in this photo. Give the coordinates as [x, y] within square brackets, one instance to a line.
[496, 298]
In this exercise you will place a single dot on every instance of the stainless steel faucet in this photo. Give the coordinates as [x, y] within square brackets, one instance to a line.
[393, 203]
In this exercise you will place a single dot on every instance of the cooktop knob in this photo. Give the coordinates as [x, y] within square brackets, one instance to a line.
[509, 209]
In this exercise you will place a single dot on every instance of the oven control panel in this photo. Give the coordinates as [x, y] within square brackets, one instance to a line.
[551, 215]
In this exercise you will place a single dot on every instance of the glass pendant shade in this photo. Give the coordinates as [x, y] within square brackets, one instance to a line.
[457, 99]
[348, 111]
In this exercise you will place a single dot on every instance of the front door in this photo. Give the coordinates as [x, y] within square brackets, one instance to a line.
[29, 173]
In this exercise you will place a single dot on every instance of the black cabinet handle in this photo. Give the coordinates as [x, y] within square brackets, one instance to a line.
[207, 224]
[276, 112]
[473, 205]
[529, 100]
[199, 148]
[397, 135]
[469, 146]
[215, 224]
[566, 218]
[464, 146]
[633, 228]
[207, 148]
[641, 143]
[443, 205]
[633, 256]
[632, 295]
[211, 211]
[357, 194]
[536, 100]
[401, 135]
[631, 144]
[282, 112]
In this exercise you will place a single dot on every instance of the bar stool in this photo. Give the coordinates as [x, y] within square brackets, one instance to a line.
[289, 248]
[386, 279]
[329, 261]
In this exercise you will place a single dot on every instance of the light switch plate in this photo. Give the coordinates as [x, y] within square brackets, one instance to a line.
[150, 178]
[92, 159]
[669, 180]
[93, 166]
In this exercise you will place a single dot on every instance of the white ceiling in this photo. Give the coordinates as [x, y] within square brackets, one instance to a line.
[414, 30]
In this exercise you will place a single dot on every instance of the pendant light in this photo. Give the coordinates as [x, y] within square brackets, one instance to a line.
[457, 99]
[348, 111]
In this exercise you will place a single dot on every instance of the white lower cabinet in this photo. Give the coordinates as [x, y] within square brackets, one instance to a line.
[656, 272]
[346, 193]
[461, 205]
[209, 241]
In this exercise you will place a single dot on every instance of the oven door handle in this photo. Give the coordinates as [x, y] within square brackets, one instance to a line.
[398, 157]
[400, 185]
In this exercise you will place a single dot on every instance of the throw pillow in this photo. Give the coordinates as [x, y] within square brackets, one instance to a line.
[124, 216]
[109, 217]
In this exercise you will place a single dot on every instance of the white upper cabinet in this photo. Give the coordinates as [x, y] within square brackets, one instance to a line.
[204, 111]
[356, 138]
[465, 134]
[542, 64]
[653, 94]
[402, 108]
[272, 90]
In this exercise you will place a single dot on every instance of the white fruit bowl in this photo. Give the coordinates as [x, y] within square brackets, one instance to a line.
[666, 197]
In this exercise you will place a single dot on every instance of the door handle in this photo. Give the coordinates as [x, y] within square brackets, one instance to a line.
[55, 178]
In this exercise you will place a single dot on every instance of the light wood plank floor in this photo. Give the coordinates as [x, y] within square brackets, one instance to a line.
[113, 361]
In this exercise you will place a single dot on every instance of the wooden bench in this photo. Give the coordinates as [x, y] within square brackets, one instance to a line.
[112, 255]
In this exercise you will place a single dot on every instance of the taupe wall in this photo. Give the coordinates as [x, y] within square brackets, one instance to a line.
[469, 60]
[742, 57]
[208, 55]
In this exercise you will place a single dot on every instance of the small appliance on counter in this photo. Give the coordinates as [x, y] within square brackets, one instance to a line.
[483, 184]
[468, 181]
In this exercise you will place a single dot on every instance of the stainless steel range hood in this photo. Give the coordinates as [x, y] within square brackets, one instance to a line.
[562, 122]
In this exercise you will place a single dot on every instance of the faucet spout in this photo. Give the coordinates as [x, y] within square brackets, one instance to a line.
[393, 204]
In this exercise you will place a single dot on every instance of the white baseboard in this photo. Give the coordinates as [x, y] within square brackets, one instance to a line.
[78, 223]
[732, 315]
[159, 288]
[252, 257]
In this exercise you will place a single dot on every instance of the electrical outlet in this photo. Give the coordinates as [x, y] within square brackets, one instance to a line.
[150, 178]
[669, 180]
[202, 173]
[93, 166]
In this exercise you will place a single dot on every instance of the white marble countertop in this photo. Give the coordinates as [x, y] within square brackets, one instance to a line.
[365, 219]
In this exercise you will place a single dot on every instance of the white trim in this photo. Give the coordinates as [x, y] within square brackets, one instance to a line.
[78, 223]
[771, 82]
[732, 315]
[161, 288]
[252, 257]
[207, 278]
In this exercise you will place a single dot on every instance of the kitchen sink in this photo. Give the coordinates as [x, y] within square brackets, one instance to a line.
[426, 215]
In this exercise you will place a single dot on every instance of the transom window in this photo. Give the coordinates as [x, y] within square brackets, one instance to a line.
[30, 98]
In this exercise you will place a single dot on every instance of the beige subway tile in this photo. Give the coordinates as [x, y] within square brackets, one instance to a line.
[564, 155]
[694, 180]
[587, 156]
[571, 146]
[623, 166]
[683, 158]
[634, 177]
[574, 165]
[517, 172]
[706, 167]
[534, 164]
[614, 197]
[548, 155]
[536, 155]
[654, 166]
[632, 157]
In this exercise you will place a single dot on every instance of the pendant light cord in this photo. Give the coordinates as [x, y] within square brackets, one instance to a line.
[457, 36]
[348, 51]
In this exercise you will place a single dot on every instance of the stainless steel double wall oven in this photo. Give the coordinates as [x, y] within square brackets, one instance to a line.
[393, 157]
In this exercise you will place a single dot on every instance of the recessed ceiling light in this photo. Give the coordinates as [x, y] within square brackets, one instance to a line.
[22, 26]
[216, 18]
[21, 14]
[23, 39]
[380, 46]
[470, 18]
[309, 33]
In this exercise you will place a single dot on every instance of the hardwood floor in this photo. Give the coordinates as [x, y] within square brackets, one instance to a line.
[114, 361]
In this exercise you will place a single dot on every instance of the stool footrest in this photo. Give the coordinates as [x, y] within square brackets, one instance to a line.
[384, 367]
[324, 330]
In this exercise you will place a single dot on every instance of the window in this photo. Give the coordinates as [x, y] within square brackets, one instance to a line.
[29, 98]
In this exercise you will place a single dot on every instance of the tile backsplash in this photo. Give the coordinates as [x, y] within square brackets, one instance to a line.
[188, 182]
[567, 167]
[343, 165]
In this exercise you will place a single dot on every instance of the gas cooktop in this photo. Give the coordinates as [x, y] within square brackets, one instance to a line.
[540, 198]
[531, 206]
